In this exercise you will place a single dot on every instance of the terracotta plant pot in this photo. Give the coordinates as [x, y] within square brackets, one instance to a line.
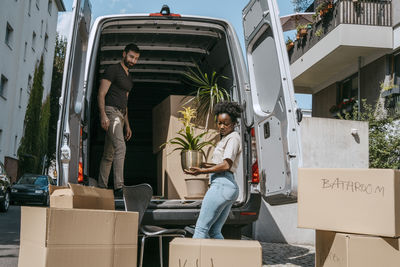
[298, 36]
[289, 46]
[196, 187]
[303, 32]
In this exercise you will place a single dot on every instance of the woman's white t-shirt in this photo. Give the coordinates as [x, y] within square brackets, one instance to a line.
[229, 147]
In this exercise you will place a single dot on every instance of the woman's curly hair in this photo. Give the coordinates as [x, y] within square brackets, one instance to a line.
[233, 109]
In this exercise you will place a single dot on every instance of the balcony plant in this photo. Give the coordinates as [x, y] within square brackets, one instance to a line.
[190, 145]
[302, 30]
[289, 44]
[345, 106]
[208, 92]
[390, 88]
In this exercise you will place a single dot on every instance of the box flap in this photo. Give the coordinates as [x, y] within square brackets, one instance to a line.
[84, 197]
[34, 225]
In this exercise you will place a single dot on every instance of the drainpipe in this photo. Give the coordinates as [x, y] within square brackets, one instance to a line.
[359, 88]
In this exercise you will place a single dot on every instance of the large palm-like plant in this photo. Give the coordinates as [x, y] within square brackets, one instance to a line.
[208, 91]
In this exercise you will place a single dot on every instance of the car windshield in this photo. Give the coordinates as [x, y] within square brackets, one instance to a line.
[36, 180]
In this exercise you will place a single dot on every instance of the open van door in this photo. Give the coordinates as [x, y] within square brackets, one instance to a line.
[68, 125]
[275, 120]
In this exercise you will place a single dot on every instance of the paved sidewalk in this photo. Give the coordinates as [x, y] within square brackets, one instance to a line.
[285, 255]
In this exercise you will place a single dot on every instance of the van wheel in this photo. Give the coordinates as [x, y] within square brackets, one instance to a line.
[232, 232]
[5, 204]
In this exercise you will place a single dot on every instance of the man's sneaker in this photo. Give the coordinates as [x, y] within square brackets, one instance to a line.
[118, 193]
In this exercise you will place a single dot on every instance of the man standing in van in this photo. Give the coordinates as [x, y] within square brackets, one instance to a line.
[114, 89]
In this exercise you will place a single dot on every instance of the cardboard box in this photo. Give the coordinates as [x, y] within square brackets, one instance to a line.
[350, 250]
[81, 197]
[363, 201]
[52, 237]
[166, 124]
[190, 252]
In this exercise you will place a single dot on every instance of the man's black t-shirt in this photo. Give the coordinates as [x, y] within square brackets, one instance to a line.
[120, 85]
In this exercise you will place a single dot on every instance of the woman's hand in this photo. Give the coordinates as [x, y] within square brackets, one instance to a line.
[193, 171]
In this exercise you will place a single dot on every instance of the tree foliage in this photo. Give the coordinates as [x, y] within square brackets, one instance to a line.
[55, 93]
[301, 5]
[384, 137]
[28, 150]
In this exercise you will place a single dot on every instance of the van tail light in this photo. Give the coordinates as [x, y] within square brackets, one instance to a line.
[80, 173]
[255, 174]
[80, 166]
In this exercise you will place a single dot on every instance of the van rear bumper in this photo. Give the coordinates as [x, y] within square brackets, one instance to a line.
[242, 215]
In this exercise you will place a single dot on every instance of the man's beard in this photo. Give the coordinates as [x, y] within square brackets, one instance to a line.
[127, 64]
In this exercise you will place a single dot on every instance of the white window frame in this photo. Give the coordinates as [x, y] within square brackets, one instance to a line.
[20, 97]
[9, 35]
[46, 41]
[29, 7]
[3, 86]
[25, 50]
[33, 40]
[50, 6]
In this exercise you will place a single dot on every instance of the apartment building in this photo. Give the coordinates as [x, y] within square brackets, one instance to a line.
[350, 52]
[27, 31]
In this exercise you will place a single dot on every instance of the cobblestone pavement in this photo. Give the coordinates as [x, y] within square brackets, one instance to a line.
[285, 255]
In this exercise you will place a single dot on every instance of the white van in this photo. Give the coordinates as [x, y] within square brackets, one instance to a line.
[169, 44]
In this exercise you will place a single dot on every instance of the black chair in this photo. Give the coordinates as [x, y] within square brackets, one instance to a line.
[137, 198]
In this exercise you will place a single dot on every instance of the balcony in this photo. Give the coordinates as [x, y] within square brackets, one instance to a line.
[349, 31]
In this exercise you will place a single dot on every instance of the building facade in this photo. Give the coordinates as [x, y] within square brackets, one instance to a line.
[351, 52]
[27, 32]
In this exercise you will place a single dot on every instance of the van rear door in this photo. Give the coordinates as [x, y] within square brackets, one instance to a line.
[275, 109]
[68, 125]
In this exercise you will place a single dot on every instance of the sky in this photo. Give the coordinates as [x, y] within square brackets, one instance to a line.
[230, 10]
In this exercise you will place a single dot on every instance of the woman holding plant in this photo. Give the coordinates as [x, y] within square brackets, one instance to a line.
[223, 190]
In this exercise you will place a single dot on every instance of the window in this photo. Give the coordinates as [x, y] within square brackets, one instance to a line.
[9, 35]
[29, 83]
[41, 29]
[348, 89]
[46, 41]
[26, 46]
[29, 7]
[37, 4]
[33, 40]
[20, 97]
[50, 6]
[3, 86]
[15, 145]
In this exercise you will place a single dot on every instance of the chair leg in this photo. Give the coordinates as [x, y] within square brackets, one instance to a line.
[161, 256]
[142, 251]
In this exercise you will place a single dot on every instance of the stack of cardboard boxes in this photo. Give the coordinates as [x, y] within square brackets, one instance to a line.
[81, 228]
[356, 213]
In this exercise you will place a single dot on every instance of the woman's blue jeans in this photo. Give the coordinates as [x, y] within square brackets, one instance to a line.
[216, 205]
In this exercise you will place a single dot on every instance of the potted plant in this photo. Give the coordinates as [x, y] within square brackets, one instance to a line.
[192, 153]
[208, 92]
[390, 88]
[289, 44]
[302, 29]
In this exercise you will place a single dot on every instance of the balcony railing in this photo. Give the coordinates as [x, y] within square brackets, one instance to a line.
[361, 12]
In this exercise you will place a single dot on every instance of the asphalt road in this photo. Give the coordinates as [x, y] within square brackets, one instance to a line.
[9, 236]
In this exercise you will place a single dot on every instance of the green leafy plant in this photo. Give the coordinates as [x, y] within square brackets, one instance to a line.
[387, 86]
[319, 32]
[208, 92]
[384, 138]
[187, 140]
[289, 40]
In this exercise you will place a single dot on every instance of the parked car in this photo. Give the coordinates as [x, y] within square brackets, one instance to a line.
[32, 188]
[5, 189]
[170, 43]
